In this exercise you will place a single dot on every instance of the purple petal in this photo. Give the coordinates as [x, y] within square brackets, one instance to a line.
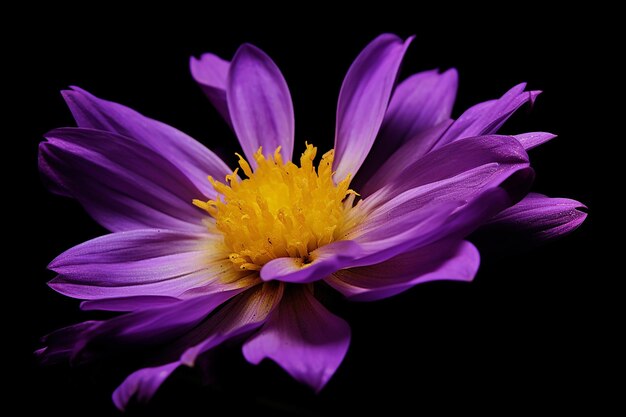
[241, 315]
[490, 158]
[143, 263]
[534, 139]
[438, 221]
[303, 337]
[405, 232]
[121, 183]
[486, 118]
[60, 344]
[540, 217]
[190, 157]
[163, 323]
[246, 312]
[323, 261]
[53, 181]
[441, 261]
[211, 74]
[403, 157]
[259, 104]
[142, 384]
[363, 100]
[482, 119]
[134, 303]
[419, 103]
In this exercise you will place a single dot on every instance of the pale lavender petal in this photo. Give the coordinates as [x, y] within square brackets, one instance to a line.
[259, 104]
[211, 74]
[142, 384]
[363, 100]
[486, 118]
[121, 183]
[540, 217]
[322, 262]
[190, 157]
[142, 263]
[533, 139]
[442, 261]
[304, 338]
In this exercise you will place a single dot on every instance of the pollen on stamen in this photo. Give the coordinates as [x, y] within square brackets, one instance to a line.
[280, 209]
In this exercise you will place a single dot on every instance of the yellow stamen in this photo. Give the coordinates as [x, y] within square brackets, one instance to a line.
[280, 209]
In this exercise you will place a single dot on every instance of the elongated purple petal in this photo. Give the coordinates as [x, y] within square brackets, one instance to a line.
[243, 314]
[533, 139]
[486, 118]
[151, 326]
[121, 183]
[259, 104]
[403, 157]
[132, 303]
[540, 217]
[363, 100]
[142, 384]
[441, 261]
[498, 155]
[143, 263]
[60, 344]
[403, 232]
[191, 158]
[480, 120]
[163, 322]
[419, 103]
[211, 74]
[303, 337]
[446, 220]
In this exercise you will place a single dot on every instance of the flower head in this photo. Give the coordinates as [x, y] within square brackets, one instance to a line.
[200, 254]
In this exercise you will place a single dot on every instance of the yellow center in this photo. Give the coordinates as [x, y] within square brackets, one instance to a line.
[280, 210]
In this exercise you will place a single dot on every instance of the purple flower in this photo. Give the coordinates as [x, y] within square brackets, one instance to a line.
[193, 262]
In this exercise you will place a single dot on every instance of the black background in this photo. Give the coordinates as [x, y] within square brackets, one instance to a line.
[513, 342]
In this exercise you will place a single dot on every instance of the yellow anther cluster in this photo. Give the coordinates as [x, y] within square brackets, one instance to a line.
[280, 209]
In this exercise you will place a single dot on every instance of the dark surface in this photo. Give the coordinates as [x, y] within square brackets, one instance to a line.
[514, 342]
